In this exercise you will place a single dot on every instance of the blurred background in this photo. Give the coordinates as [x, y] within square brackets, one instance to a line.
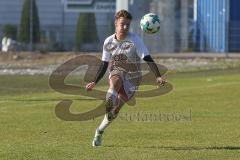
[82, 25]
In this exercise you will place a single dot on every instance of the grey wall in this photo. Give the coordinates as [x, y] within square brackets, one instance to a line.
[55, 24]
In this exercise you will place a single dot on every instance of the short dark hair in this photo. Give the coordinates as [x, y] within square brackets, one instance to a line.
[123, 13]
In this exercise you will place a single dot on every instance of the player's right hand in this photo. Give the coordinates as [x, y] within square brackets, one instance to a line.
[90, 86]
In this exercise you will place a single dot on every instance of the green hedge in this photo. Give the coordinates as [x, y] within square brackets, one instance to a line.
[86, 30]
[24, 31]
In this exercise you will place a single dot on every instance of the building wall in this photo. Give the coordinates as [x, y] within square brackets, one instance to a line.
[174, 32]
[167, 36]
[59, 26]
[56, 25]
[10, 11]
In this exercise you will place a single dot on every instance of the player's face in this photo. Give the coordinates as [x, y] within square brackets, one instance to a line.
[122, 27]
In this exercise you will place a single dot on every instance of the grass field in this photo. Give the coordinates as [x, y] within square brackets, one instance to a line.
[31, 130]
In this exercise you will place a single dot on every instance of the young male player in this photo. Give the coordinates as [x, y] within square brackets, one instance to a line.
[122, 52]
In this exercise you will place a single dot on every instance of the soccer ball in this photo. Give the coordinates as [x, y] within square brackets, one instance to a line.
[150, 23]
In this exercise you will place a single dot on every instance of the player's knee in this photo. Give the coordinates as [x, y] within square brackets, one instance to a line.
[111, 93]
[115, 82]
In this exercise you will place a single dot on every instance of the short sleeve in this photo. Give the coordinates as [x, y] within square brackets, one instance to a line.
[142, 50]
[106, 56]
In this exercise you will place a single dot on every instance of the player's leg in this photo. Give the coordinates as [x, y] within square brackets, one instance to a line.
[121, 100]
[115, 83]
[125, 94]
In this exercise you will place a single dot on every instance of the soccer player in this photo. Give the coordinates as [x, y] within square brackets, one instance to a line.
[122, 53]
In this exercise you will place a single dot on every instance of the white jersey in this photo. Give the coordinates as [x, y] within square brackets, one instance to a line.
[124, 58]
[128, 51]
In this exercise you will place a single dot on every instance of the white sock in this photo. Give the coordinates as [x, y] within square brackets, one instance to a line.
[112, 94]
[105, 123]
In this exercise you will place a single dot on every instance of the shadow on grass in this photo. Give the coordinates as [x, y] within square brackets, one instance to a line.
[190, 148]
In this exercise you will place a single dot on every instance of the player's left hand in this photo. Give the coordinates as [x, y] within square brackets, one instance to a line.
[161, 81]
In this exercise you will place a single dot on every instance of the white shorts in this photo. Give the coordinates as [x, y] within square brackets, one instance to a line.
[130, 83]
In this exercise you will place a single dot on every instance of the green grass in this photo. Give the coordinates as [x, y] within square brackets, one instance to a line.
[31, 130]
